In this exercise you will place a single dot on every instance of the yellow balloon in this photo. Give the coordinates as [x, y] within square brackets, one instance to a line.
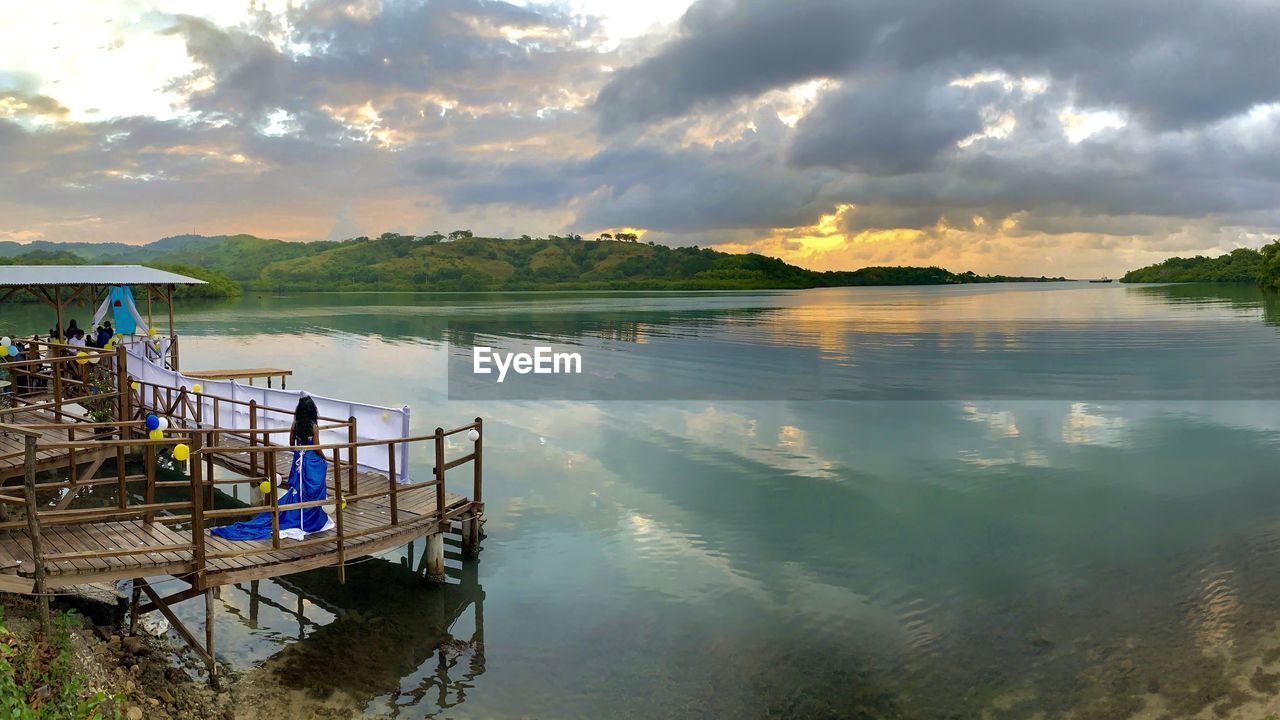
[181, 452]
[156, 434]
[134, 385]
[265, 487]
[151, 332]
[82, 357]
[344, 504]
[196, 387]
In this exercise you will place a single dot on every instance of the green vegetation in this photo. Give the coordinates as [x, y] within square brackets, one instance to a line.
[37, 680]
[44, 257]
[219, 285]
[1239, 265]
[460, 261]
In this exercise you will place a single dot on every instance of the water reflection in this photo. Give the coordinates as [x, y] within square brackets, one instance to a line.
[1054, 556]
[385, 643]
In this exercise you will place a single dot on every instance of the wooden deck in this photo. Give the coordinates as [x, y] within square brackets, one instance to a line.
[81, 553]
[249, 374]
[62, 523]
[11, 448]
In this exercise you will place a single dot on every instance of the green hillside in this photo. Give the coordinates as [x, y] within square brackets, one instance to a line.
[1239, 265]
[460, 262]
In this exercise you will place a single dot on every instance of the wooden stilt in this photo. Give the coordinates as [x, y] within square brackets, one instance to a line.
[133, 606]
[435, 557]
[470, 536]
[211, 658]
[33, 529]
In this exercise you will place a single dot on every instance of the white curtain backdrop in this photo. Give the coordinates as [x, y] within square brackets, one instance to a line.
[373, 422]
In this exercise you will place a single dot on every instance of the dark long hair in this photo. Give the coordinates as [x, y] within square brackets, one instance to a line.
[305, 417]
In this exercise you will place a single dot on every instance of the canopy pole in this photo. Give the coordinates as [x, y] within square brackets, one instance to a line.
[173, 341]
[57, 308]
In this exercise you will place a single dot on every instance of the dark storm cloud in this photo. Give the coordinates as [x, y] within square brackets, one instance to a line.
[1173, 64]
[888, 125]
[742, 183]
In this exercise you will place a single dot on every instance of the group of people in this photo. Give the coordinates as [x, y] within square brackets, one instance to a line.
[27, 377]
[75, 337]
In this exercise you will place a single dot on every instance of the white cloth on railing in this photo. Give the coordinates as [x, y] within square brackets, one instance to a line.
[373, 422]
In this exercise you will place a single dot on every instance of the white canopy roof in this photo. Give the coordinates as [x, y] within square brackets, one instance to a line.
[55, 275]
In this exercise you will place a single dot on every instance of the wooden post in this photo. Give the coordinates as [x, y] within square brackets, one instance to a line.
[351, 454]
[470, 535]
[391, 483]
[440, 472]
[197, 510]
[435, 557]
[173, 339]
[149, 492]
[57, 309]
[337, 497]
[55, 354]
[122, 386]
[208, 636]
[254, 600]
[133, 606]
[121, 487]
[33, 528]
[274, 498]
[479, 452]
[253, 439]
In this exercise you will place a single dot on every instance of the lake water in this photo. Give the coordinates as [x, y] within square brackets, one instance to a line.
[1044, 500]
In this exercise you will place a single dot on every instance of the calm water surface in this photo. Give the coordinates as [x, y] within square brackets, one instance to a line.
[1024, 542]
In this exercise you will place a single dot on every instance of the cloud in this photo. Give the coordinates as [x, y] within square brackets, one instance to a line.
[888, 125]
[1015, 137]
[1171, 65]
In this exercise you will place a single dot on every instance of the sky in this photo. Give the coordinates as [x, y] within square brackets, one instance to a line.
[1001, 136]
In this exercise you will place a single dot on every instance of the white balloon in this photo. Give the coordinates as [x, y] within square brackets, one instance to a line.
[164, 423]
[5, 341]
[473, 435]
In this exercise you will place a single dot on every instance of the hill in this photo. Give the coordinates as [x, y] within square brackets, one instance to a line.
[461, 262]
[1239, 265]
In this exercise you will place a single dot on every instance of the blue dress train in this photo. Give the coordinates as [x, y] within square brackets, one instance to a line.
[312, 468]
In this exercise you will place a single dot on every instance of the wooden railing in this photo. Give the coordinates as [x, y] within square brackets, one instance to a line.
[207, 447]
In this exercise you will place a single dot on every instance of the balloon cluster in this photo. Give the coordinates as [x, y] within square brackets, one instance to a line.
[7, 347]
[156, 426]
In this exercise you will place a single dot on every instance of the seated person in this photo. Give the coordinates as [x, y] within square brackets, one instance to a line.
[105, 333]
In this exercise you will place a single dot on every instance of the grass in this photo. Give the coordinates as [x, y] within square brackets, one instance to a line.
[38, 680]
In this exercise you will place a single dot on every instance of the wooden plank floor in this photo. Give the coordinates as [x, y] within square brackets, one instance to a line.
[12, 448]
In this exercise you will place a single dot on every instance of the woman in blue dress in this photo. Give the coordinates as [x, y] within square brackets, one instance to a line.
[306, 483]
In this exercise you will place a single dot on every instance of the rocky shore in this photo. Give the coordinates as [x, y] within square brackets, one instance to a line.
[142, 676]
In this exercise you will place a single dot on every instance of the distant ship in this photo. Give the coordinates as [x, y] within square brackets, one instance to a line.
[1103, 279]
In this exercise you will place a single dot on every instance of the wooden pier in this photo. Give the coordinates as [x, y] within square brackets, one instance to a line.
[249, 374]
[86, 496]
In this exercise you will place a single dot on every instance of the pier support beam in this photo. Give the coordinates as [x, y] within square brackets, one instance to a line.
[210, 659]
[471, 536]
[435, 557]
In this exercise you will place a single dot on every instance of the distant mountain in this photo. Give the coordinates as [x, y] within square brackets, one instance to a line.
[181, 242]
[11, 249]
[462, 262]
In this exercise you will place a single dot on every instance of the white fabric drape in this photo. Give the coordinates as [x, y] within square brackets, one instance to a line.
[373, 422]
[130, 308]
